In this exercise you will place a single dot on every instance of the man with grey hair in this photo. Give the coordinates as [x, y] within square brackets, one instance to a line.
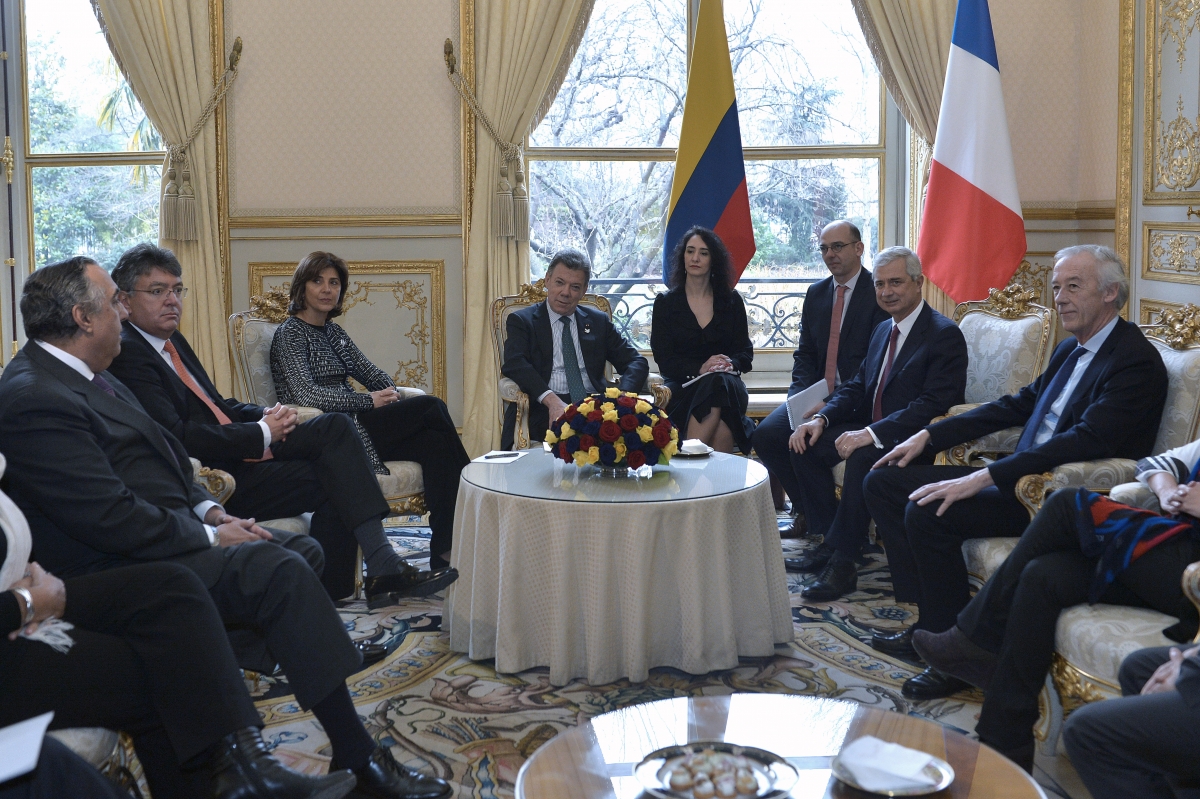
[556, 350]
[1101, 396]
[914, 370]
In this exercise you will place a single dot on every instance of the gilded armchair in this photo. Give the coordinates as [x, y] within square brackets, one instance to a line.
[531, 294]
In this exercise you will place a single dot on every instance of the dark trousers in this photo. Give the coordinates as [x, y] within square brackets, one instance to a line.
[150, 658]
[59, 773]
[924, 550]
[808, 480]
[420, 429]
[321, 468]
[1016, 612]
[1139, 747]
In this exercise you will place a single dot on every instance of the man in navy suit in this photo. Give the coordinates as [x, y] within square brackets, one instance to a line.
[1101, 397]
[553, 375]
[846, 294]
[915, 369]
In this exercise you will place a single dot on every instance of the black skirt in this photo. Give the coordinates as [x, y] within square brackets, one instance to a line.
[713, 390]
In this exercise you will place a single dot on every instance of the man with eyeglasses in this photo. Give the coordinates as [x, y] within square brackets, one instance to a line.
[282, 468]
[835, 331]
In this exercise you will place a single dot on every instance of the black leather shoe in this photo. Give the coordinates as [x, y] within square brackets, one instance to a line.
[811, 561]
[896, 644]
[384, 778]
[244, 769]
[931, 684]
[839, 577]
[371, 653]
[386, 589]
[797, 529]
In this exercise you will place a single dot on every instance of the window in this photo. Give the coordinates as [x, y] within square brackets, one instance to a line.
[92, 159]
[810, 103]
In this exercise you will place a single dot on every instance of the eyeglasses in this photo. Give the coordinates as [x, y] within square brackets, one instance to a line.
[837, 246]
[159, 293]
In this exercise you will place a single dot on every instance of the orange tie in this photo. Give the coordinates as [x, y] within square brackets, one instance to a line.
[194, 387]
[835, 333]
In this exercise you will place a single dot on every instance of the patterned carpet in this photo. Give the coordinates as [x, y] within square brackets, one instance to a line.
[463, 721]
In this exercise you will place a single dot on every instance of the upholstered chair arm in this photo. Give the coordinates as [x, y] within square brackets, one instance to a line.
[658, 389]
[1191, 588]
[218, 483]
[1100, 476]
[408, 392]
[510, 391]
[1137, 495]
[304, 413]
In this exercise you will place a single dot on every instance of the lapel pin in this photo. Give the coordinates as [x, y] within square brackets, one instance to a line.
[587, 327]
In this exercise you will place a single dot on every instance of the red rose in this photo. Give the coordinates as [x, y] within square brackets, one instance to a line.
[570, 413]
[586, 442]
[626, 402]
[610, 432]
[595, 416]
[629, 422]
[562, 451]
[635, 459]
[662, 435]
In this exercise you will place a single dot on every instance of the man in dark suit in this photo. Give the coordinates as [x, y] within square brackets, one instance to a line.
[102, 485]
[1145, 744]
[915, 369]
[848, 295]
[281, 468]
[1101, 397]
[554, 375]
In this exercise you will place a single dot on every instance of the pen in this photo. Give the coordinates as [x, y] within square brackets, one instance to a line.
[499, 455]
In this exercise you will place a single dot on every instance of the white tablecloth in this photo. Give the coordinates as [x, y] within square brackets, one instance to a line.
[610, 590]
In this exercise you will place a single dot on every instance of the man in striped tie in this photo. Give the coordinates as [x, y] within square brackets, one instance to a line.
[1101, 396]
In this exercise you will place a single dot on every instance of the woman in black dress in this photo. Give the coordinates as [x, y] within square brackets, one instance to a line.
[699, 330]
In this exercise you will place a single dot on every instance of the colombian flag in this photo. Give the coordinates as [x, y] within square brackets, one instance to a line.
[709, 187]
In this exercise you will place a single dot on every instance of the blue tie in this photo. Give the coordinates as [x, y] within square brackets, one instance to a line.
[1029, 434]
[104, 385]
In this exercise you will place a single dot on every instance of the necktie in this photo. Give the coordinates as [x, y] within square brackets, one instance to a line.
[877, 411]
[571, 363]
[1047, 398]
[104, 384]
[201, 394]
[835, 334]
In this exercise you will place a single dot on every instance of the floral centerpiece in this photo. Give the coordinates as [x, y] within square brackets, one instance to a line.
[613, 430]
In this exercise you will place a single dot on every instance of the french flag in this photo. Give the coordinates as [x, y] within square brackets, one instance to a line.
[972, 234]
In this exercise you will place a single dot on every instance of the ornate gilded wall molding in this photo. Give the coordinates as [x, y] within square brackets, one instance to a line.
[410, 296]
[1171, 251]
[1172, 145]
[1150, 312]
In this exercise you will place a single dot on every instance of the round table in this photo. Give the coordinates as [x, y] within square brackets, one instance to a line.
[603, 578]
[596, 759]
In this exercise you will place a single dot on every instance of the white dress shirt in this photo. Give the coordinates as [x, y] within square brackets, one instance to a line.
[159, 345]
[905, 325]
[1054, 413]
[82, 368]
[558, 374]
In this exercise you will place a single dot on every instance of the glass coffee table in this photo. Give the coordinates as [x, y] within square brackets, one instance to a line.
[602, 578]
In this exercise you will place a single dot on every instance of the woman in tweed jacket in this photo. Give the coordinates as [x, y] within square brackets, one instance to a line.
[312, 358]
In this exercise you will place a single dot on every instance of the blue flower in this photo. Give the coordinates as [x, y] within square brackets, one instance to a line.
[592, 428]
[608, 454]
[572, 444]
[652, 452]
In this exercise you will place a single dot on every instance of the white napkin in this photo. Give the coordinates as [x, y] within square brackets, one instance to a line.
[693, 446]
[881, 766]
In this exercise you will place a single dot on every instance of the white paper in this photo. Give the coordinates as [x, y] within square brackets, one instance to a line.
[881, 766]
[694, 446]
[21, 745]
[801, 407]
[499, 456]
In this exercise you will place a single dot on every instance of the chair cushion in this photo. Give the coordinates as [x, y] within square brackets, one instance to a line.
[1138, 495]
[1178, 426]
[291, 524]
[984, 555]
[256, 341]
[94, 744]
[1096, 638]
[1002, 354]
[405, 479]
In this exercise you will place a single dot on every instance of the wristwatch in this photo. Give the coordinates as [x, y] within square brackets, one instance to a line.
[28, 597]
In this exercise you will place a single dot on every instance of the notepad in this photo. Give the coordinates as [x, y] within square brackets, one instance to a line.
[21, 744]
[801, 407]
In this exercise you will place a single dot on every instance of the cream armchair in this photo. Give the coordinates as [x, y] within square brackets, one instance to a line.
[250, 333]
[531, 294]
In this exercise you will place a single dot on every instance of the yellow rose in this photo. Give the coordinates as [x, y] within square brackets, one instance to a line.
[610, 415]
[585, 407]
[612, 392]
[670, 449]
[593, 455]
[641, 406]
[674, 433]
[551, 438]
[580, 457]
[619, 446]
[608, 406]
[645, 433]
[566, 432]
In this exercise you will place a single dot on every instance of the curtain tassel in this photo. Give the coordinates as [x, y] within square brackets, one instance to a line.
[168, 215]
[186, 208]
[502, 207]
[520, 207]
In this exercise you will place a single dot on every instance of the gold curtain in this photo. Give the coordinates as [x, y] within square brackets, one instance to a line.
[164, 50]
[520, 47]
[910, 41]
